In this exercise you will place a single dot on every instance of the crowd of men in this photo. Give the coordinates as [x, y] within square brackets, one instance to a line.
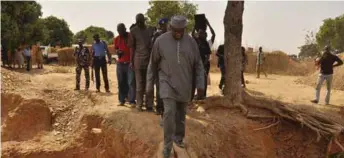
[21, 57]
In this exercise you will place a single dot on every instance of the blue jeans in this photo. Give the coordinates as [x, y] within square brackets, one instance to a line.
[126, 83]
[321, 79]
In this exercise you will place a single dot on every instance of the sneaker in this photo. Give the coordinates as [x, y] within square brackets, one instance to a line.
[180, 144]
[315, 101]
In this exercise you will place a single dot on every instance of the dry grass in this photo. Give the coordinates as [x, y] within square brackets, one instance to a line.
[59, 69]
[66, 54]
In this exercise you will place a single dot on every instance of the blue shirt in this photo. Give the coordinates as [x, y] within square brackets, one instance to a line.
[99, 49]
[27, 52]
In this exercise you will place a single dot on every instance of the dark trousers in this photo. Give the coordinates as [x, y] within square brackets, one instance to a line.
[126, 85]
[174, 123]
[243, 79]
[140, 76]
[222, 81]
[159, 101]
[78, 70]
[206, 69]
[28, 63]
[100, 63]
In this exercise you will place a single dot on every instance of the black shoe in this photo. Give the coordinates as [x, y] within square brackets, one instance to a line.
[315, 101]
[77, 89]
[180, 144]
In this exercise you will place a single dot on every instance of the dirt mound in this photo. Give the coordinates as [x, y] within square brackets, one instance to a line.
[23, 119]
[276, 62]
[337, 82]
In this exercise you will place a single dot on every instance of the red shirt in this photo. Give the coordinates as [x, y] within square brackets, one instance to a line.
[122, 44]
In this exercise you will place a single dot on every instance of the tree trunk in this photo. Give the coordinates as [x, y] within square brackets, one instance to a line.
[233, 58]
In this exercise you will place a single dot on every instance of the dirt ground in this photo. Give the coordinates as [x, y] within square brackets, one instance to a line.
[88, 124]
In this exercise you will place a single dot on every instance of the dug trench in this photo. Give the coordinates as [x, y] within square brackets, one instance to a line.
[45, 124]
[27, 131]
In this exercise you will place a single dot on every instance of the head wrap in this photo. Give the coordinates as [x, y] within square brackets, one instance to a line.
[163, 21]
[179, 21]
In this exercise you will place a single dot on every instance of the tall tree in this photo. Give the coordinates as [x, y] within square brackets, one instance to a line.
[88, 33]
[233, 58]
[161, 9]
[19, 23]
[310, 48]
[58, 32]
[332, 33]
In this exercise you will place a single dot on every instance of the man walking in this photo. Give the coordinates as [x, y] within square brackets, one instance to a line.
[125, 75]
[162, 29]
[83, 60]
[260, 61]
[99, 51]
[176, 55]
[140, 42]
[204, 47]
[27, 54]
[326, 73]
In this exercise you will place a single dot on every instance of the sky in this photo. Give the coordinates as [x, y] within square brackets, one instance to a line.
[274, 25]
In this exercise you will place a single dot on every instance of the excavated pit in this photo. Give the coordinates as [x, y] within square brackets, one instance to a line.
[23, 119]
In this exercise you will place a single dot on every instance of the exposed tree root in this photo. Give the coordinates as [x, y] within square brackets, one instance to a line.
[321, 124]
[266, 127]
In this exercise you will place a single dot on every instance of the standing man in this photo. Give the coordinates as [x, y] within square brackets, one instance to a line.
[99, 51]
[204, 47]
[163, 29]
[140, 42]
[221, 65]
[125, 75]
[83, 60]
[27, 54]
[4, 56]
[326, 73]
[260, 63]
[176, 57]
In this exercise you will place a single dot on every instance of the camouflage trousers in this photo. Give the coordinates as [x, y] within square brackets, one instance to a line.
[78, 70]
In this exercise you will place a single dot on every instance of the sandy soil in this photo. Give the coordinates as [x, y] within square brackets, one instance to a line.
[283, 88]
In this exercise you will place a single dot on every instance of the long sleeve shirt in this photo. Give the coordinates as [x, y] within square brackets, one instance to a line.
[176, 62]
